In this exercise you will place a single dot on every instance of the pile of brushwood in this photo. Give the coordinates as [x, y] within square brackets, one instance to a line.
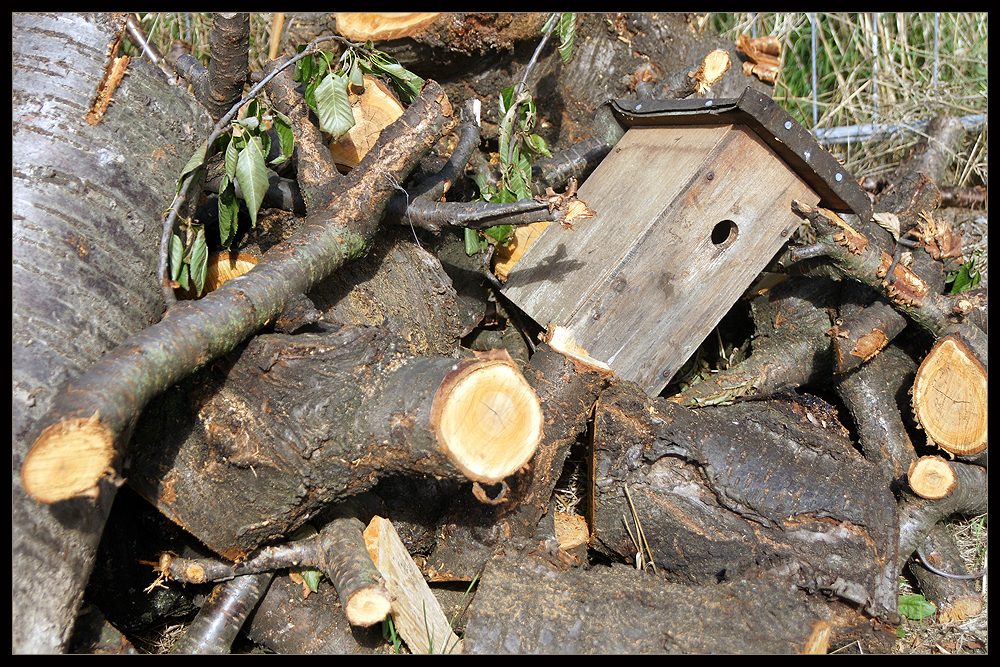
[367, 366]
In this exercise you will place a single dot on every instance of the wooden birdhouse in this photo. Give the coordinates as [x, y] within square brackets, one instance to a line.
[691, 203]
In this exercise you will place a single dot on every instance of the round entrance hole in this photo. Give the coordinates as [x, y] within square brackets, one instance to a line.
[724, 233]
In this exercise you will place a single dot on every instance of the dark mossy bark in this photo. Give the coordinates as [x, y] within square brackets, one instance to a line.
[731, 492]
[620, 610]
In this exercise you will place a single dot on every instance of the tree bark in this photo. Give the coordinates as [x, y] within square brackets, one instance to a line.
[731, 492]
[299, 422]
[620, 610]
[87, 204]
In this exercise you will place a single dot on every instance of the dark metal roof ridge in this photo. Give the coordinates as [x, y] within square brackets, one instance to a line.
[837, 188]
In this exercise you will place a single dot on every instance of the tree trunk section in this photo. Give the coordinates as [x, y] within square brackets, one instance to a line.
[530, 602]
[87, 204]
[733, 492]
[298, 422]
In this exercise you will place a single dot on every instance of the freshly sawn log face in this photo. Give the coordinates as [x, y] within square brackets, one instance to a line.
[298, 422]
[194, 333]
[949, 398]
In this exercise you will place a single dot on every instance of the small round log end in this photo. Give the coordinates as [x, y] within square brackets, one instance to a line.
[488, 419]
[68, 460]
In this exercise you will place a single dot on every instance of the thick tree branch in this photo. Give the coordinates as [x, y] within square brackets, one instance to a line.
[95, 413]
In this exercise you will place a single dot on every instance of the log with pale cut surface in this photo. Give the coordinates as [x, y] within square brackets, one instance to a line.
[297, 422]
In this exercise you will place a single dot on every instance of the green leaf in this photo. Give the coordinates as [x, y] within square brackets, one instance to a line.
[182, 278]
[176, 256]
[196, 160]
[915, 607]
[501, 234]
[333, 106]
[474, 242]
[229, 209]
[283, 126]
[567, 31]
[199, 261]
[250, 123]
[537, 145]
[407, 83]
[967, 277]
[519, 178]
[356, 76]
[311, 576]
[303, 68]
[251, 173]
[230, 158]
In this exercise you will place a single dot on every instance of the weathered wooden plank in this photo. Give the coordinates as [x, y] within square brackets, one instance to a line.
[687, 216]
[639, 177]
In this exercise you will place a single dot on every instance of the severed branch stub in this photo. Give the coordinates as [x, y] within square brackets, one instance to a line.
[931, 477]
[338, 551]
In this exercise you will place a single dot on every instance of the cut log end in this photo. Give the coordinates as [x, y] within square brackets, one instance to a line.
[489, 420]
[368, 607]
[932, 477]
[374, 110]
[949, 398]
[68, 460]
[382, 25]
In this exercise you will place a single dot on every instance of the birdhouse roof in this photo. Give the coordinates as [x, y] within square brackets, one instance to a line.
[837, 188]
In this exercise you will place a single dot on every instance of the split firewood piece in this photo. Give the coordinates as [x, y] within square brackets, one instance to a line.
[764, 55]
[362, 26]
[931, 477]
[374, 110]
[416, 613]
[949, 398]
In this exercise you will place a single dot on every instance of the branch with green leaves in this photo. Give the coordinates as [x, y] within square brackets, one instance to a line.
[518, 142]
[246, 141]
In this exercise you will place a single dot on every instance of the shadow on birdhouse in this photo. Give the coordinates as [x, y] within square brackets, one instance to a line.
[691, 203]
